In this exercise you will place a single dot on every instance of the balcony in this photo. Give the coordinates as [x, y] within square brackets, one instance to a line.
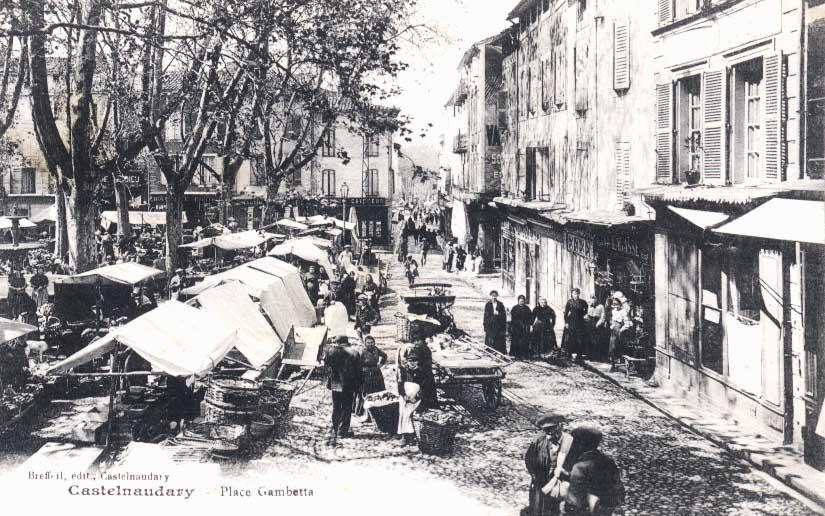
[460, 144]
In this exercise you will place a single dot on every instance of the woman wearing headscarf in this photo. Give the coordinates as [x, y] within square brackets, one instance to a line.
[521, 319]
[544, 328]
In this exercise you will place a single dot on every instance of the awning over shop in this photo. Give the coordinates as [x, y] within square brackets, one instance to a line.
[128, 273]
[45, 215]
[5, 223]
[229, 303]
[290, 224]
[782, 219]
[138, 218]
[10, 330]
[177, 339]
[700, 218]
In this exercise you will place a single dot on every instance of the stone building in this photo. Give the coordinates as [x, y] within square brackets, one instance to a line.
[740, 221]
[579, 93]
[480, 110]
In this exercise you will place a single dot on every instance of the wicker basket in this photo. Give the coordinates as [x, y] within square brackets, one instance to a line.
[276, 399]
[435, 438]
[223, 415]
[261, 425]
[233, 393]
[402, 327]
[385, 417]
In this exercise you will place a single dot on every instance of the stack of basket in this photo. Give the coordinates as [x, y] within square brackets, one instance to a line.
[275, 400]
[230, 400]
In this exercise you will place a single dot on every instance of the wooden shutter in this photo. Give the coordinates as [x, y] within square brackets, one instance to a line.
[664, 133]
[713, 127]
[581, 52]
[665, 11]
[622, 174]
[773, 123]
[621, 55]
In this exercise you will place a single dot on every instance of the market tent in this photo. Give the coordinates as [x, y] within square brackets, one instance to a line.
[290, 224]
[242, 240]
[198, 244]
[10, 330]
[5, 223]
[274, 266]
[306, 250]
[45, 215]
[287, 304]
[230, 304]
[128, 273]
[138, 218]
[342, 224]
[254, 281]
[177, 339]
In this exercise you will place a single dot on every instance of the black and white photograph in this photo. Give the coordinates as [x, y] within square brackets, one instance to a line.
[413, 257]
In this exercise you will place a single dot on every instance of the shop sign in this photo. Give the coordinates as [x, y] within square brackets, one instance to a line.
[578, 244]
[624, 245]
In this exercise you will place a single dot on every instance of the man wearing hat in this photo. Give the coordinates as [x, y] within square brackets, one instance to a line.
[365, 316]
[595, 480]
[495, 323]
[540, 459]
[343, 380]
[345, 258]
[176, 284]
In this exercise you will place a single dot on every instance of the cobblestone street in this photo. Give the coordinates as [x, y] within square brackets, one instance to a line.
[666, 469]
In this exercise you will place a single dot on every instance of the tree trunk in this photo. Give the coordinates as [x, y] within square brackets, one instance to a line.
[174, 227]
[61, 244]
[81, 223]
[124, 228]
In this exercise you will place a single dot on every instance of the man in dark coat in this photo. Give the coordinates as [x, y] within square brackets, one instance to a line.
[346, 292]
[521, 320]
[343, 373]
[495, 323]
[575, 325]
[540, 459]
[595, 480]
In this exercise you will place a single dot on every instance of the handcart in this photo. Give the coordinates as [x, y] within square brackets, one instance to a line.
[432, 300]
[470, 362]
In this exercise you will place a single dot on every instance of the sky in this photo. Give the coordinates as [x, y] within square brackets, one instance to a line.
[432, 75]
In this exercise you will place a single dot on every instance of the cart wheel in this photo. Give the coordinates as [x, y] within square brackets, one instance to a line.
[492, 394]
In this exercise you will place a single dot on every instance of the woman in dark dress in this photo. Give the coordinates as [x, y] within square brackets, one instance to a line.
[544, 328]
[521, 319]
[372, 359]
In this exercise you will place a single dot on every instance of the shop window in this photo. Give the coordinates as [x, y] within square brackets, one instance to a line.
[746, 155]
[744, 293]
[688, 126]
[22, 180]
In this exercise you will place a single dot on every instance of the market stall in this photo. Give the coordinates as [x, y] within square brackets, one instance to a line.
[306, 250]
[19, 394]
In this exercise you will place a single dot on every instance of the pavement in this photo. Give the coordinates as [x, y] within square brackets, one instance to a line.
[667, 468]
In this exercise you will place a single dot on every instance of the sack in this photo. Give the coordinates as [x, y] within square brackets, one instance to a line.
[596, 507]
[556, 489]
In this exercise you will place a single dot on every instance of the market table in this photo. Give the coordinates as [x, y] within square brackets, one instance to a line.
[466, 361]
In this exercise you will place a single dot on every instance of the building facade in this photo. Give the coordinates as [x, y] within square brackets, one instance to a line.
[737, 272]
[476, 175]
[575, 76]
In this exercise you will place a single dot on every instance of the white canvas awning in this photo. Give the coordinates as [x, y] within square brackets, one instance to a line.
[242, 240]
[175, 338]
[10, 330]
[700, 218]
[5, 223]
[306, 250]
[45, 215]
[291, 224]
[128, 273]
[138, 218]
[781, 219]
[229, 303]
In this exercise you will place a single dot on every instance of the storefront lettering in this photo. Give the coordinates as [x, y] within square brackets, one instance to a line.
[579, 245]
[623, 245]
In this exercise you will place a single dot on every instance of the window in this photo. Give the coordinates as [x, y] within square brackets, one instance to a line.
[328, 182]
[559, 73]
[744, 294]
[22, 180]
[747, 107]
[328, 146]
[373, 146]
[623, 183]
[369, 182]
[529, 90]
[683, 8]
[688, 126]
[206, 174]
[294, 126]
[529, 185]
[580, 56]
[582, 9]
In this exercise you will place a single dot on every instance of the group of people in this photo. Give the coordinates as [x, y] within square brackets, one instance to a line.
[532, 331]
[593, 329]
[569, 474]
[457, 259]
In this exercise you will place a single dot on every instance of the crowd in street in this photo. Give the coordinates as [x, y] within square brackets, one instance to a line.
[591, 329]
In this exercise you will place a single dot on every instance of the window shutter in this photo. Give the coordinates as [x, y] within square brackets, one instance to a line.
[621, 55]
[665, 11]
[664, 133]
[581, 53]
[774, 137]
[622, 174]
[713, 127]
